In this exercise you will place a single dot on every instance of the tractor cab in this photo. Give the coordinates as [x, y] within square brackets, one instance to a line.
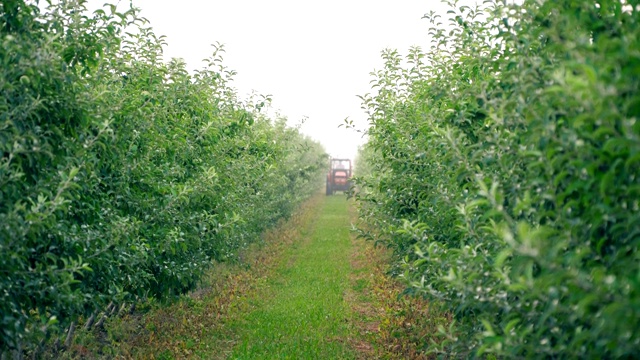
[338, 178]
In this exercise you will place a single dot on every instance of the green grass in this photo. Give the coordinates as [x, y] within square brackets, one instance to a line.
[301, 312]
[309, 290]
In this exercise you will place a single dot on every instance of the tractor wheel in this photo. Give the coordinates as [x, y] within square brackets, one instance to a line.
[329, 190]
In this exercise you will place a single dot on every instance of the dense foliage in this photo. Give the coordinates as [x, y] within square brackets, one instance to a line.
[503, 168]
[122, 176]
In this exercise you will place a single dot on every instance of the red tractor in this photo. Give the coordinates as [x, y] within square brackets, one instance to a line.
[338, 178]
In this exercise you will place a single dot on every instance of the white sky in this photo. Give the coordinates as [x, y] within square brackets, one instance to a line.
[313, 57]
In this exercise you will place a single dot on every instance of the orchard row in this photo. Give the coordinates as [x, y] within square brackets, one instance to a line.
[123, 177]
[503, 169]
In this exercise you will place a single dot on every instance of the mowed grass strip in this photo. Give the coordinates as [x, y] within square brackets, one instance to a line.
[301, 313]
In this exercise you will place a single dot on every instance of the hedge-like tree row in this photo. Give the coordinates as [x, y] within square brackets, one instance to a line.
[123, 177]
[503, 168]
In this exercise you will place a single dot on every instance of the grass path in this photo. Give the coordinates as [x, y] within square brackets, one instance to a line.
[309, 290]
[301, 313]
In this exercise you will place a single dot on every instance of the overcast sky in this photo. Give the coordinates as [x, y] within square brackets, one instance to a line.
[313, 57]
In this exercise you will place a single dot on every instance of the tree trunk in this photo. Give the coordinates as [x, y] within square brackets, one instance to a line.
[69, 339]
[114, 308]
[105, 315]
[90, 321]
